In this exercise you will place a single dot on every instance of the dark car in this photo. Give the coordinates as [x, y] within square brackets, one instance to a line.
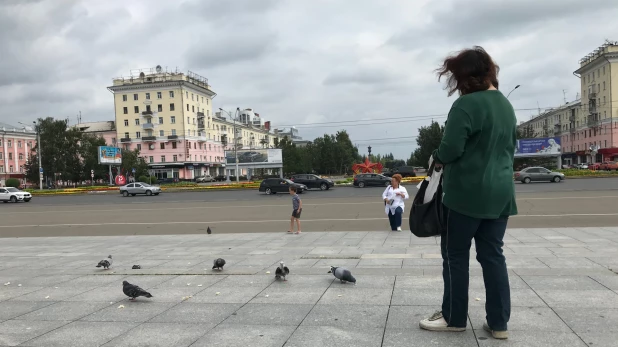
[313, 181]
[365, 180]
[280, 185]
[404, 171]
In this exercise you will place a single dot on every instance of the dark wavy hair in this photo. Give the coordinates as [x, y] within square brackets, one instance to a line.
[469, 71]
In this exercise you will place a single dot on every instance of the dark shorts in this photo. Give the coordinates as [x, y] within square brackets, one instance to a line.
[296, 214]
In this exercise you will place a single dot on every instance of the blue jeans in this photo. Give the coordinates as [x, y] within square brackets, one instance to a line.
[455, 245]
[395, 219]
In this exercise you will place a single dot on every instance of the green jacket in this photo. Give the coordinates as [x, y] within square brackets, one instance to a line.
[477, 151]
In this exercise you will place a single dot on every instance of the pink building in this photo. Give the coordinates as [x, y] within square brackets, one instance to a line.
[15, 148]
[106, 130]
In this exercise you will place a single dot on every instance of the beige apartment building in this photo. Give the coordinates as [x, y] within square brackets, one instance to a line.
[252, 132]
[166, 116]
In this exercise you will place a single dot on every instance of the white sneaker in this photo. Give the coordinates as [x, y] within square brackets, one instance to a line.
[398, 228]
[437, 323]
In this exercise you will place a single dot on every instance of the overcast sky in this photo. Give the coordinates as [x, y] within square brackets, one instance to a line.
[295, 62]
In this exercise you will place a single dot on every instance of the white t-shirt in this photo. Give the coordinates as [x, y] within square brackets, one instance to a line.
[390, 193]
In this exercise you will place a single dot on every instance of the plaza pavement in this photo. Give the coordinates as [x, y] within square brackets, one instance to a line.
[563, 290]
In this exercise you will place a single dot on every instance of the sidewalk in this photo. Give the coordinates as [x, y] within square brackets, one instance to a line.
[563, 291]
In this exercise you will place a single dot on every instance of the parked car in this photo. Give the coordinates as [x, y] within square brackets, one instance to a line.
[582, 166]
[139, 188]
[313, 181]
[404, 171]
[280, 185]
[365, 180]
[609, 166]
[14, 195]
[595, 166]
[205, 178]
[538, 174]
[220, 178]
[167, 180]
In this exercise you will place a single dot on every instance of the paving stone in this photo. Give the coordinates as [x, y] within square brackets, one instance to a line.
[329, 336]
[584, 320]
[354, 295]
[13, 291]
[12, 309]
[46, 281]
[134, 312]
[54, 293]
[161, 335]
[98, 294]
[227, 295]
[261, 280]
[228, 335]
[171, 294]
[144, 281]
[416, 337]
[92, 281]
[348, 316]
[519, 297]
[283, 295]
[269, 314]
[82, 334]
[562, 283]
[408, 317]
[193, 313]
[182, 281]
[15, 332]
[610, 282]
[382, 263]
[524, 319]
[580, 298]
[536, 339]
[599, 339]
[418, 296]
[64, 311]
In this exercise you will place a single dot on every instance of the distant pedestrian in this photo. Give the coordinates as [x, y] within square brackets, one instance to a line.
[393, 197]
[297, 206]
[477, 152]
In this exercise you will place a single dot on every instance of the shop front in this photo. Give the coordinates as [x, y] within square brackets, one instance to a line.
[569, 159]
[167, 171]
[608, 154]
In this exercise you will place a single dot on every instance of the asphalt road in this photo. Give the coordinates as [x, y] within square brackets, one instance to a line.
[573, 203]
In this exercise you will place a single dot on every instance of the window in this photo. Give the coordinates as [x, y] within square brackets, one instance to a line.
[10, 156]
[18, 144]
[159, 96]
[603, 85]
[1, 168]
[138, 135]
[21, 156]
[202, 99]
[193, 121]
[127, 147]
[173, 145]
[147, 96]
[0, 155]
[135, 97]
[124, 97]
[11, 168]
[173, 119]
[206, 101]
[9, 143]
[603, 102]
[194, 145]
[171, 93]
[172, 107]
[151, 159]
[174, 133]
[136, 109]
[136, 121]
[604, 114]
[160, 120]
[174, 158]
[603, 70]
[188, 118]
[187, 107]
[187, 94]
[162, 145]
[126, 122]
[161, 133]
[192, 108]
[163, 159]
[126, 135]
[148, 108]
[192, 97]
[159, 108]
[139, 146]
[125, 110]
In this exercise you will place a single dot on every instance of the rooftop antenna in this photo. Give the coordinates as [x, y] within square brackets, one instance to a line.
[564, 95]
[539, 107]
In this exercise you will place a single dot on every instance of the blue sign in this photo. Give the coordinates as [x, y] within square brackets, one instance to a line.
[546, 146]
[40, 170]
[133, 170]
[110, 155]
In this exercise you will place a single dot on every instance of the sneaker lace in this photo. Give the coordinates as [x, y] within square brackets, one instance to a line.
[436, 315]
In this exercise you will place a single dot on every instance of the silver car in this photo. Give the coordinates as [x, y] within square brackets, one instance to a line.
[203, 179]
[14, 195]
[139, 188]
[538, 174]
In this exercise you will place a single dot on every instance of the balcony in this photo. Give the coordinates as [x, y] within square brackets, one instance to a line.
[201, 125]
[149, 138]
[147, 113]
[126, 139]
[572, 118]
[572, 130]
[200, 115]
[148, 126]
[201, 138]
[172, 137]
[592, 120]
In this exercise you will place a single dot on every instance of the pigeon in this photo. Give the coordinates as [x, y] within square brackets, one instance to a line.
[343, 274]
[282, 271]
[133, 291]
[218, 264]
[208, 231]
[106, 263]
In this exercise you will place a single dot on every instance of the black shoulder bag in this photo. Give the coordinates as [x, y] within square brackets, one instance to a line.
[426, 219]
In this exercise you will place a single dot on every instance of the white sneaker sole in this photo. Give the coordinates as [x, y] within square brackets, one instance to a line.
[440, 328]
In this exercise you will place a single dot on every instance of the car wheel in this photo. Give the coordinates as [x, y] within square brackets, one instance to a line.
[527, 180]
[361, 184]
[13, 199]
[557, 179]
[125, 193]
[323, 186]
[148, 193]
[268, 191]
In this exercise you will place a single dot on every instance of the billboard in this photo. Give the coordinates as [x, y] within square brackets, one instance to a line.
[255, 156]
[546, 146]
[110, 155]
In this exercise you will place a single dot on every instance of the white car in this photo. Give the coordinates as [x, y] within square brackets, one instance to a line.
[14, 195]
[139, 188]
[203, 179]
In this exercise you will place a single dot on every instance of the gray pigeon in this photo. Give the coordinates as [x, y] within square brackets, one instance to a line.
[106, 263]
[218, 264]
[133, 291]
[343, 274]
[282, 271]
[208, 231]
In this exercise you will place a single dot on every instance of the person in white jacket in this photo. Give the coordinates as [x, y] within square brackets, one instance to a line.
[393, 197]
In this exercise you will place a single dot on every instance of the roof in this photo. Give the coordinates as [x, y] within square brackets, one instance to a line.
[96, 127]
[13, 128]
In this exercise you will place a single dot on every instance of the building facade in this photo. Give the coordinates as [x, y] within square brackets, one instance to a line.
[165, 115]
[15, 149]
[106, 130]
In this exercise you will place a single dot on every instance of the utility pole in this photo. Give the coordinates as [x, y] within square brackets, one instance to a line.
[564, 95]
[236, 145]
[38, 142]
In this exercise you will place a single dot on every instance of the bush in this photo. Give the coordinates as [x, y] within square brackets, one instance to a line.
[13, 182]
[144, 179]
[583, 172]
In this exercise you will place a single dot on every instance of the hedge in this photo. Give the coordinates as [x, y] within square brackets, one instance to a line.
[587, 173]
[13, 182]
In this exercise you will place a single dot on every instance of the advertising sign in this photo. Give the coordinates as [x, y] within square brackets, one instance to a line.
[546, 146]
[250, 156]
[110, 155]
[120, 180]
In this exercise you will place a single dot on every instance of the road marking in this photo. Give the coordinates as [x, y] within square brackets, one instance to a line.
[274, 221]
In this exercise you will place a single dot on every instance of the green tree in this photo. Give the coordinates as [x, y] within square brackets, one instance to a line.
[132, 160]
[89, 153]
[428, 140]
[525, 131]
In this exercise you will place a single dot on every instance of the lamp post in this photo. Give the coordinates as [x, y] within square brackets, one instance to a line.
[509, 94]
[369, 151]
[235, 139]
[4, 167]
[38, 142]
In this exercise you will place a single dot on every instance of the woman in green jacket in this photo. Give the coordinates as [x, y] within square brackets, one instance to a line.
[479, 195]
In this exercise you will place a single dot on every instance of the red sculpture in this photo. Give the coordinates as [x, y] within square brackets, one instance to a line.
[367, 167]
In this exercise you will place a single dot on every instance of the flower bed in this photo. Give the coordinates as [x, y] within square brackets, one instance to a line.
[587, 173]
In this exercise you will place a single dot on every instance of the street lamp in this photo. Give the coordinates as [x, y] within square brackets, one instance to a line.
[38, 142]
[517, 86]
[235, 140]
[369, 150]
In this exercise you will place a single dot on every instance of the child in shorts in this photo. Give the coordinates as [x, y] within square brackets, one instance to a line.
[297, 206]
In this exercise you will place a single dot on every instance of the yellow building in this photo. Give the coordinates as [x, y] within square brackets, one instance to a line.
[165, 115]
